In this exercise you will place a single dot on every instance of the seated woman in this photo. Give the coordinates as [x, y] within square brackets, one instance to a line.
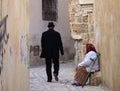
[85, 66]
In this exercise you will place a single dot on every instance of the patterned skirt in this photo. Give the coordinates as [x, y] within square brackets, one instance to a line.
[81, 75]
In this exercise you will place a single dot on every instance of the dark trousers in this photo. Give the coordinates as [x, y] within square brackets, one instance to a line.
[49, 62]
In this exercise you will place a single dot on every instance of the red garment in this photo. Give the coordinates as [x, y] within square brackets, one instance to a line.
[90, 47]
[81, 75]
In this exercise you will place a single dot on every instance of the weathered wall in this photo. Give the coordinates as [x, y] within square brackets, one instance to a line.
[37, 26]
[107, 28]
[14, 61]
[82, 25]
[0, 9]
[86, 1]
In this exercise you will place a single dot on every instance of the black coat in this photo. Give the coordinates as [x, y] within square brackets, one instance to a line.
[51, 44]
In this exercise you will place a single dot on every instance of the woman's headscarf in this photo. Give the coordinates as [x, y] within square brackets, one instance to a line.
[90, 47]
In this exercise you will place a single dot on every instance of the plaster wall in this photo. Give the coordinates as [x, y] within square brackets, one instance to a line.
[14, 74]
[107, 26]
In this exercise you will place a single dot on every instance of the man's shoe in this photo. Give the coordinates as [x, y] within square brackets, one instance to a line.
[49, 81]
[56, 77]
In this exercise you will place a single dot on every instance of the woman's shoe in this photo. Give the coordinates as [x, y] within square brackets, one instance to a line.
[76, 84]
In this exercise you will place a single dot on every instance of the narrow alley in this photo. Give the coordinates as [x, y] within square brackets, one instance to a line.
[38, 80]
[78, 23]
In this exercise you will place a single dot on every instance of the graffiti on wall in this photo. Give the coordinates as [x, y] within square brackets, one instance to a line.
[4, 36]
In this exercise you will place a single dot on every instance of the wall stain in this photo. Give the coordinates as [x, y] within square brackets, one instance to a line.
[24, 49]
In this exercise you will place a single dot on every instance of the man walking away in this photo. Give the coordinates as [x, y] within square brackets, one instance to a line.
[51, 44]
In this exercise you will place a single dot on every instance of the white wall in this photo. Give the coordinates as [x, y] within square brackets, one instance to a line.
[14, 62]
[37, 25]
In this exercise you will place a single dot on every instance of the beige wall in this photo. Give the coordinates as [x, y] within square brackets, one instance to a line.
[15, 73]
[37, 26]
[107, 28]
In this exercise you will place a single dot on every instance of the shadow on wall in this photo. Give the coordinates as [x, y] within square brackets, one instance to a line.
[35, 59]
[68, 55]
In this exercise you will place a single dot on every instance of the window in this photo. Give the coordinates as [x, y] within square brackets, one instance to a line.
[49, 10]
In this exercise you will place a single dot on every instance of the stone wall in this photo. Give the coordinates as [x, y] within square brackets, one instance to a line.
[14, 45]
[82, 26]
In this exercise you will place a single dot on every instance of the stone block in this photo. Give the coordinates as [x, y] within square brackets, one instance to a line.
[77, 14]
[85, 19]
[92, 41]
[72, 18]
[91, 28]
[86, 1]
[83, 49]
[91, 35]
[95, 81]
[76, 32]
[86, 36]
[79, 19]
[90, 19]
[83, 28]
[85, 41]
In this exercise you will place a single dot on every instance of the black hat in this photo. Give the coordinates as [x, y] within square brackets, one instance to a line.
[51, 24]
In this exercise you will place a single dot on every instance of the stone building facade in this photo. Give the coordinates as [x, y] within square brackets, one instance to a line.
[82, 26]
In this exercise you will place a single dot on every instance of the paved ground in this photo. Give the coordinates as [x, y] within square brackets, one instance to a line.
[38, 80]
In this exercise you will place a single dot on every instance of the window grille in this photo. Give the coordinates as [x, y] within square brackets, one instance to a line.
[49, 10]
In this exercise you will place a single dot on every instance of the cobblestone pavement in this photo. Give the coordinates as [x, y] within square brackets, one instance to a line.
[38, 80]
